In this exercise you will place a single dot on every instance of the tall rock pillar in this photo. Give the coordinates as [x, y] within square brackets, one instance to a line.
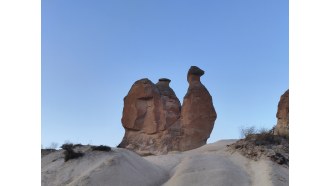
[198, 114]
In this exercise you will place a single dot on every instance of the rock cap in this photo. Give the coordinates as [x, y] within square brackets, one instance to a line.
[164, 79]
[195, 71]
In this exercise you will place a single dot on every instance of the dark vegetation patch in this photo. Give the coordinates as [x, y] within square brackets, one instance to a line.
[101, 148]
[77, 145]
[258, 143]
[69, 153]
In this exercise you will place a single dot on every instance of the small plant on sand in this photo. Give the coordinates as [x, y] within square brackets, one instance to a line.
[262, 136]
[263, 142]
[77, 145]
[69, 153]
[248, 132]
[101, 148]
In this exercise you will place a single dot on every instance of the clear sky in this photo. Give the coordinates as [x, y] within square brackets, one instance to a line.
[93, 51]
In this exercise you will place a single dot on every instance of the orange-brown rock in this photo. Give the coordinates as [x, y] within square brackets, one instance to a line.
[282, 126]
[171, 106]
[198, 114]
[149, 110]
[142, 107]
[155, 123]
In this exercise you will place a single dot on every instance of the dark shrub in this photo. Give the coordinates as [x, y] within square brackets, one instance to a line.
[280, 159]
[263, 142]
[69, 153]
[101, 148]
[261, 136]
[77, 145]
[266, 138]
[67, 146]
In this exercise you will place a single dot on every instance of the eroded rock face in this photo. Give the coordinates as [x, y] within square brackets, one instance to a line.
[149, 110]
[198, 114]
[282, 126]
[142, 107]
[171, 106]
[155, 123]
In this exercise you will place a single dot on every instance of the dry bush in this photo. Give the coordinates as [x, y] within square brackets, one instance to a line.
[261, 136]
[77, 145]
[69, 153]
[248, 132]
[263, 142]
[101, 148]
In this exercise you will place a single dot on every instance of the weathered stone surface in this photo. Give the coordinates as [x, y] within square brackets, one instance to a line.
[155, 123]
[198, 114]
[171, 106]
[141, 107]
[149, 109]
[282, 126]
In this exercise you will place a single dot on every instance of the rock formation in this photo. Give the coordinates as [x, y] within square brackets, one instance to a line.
[198, 114]
[149, 110]
[282, 126]
[171, 107]
[155, 123]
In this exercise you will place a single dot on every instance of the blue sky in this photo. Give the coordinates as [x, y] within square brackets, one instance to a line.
[93, 51]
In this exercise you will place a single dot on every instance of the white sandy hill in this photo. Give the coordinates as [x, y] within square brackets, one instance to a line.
[212, 164]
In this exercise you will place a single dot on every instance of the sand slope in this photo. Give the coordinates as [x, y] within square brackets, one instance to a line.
[212, 164]
[120, 167]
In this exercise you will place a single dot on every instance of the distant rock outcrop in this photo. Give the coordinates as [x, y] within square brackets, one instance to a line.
[282, 126]
[154, 122]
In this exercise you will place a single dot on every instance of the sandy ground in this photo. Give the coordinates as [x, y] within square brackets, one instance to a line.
[212, 164]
